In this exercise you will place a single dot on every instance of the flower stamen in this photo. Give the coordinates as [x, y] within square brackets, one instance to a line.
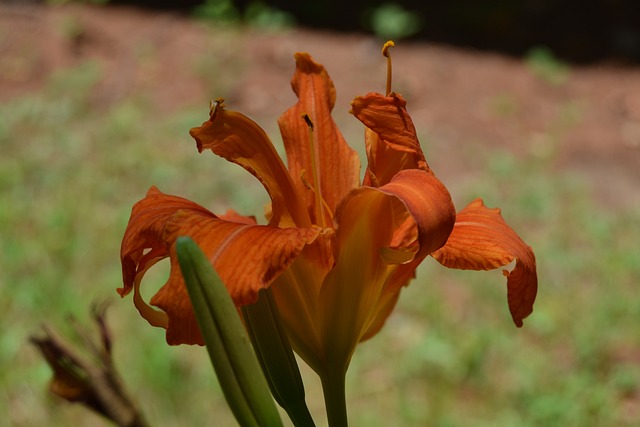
[315, 173]
[309, 186]
[385, 52]
[214, 105]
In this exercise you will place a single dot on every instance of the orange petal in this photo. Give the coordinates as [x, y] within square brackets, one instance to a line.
[337, 163]
[429, 203]
[358, 293]
[391, 139]
[482, 240]
[366, 219]
[399, 278]
[297, 291]
[240, 140]
[234, 216]
[247, 257]
[432, 224]
[383, 310]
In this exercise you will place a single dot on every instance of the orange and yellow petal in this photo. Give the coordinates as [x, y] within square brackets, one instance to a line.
[482, 240]
[391, 140]
[359, 293]
[240, 140]
[337, 164]
[247, 257]
[432, 215]
[297, 291]
[366, 221]
[143, 244]
[383, 310]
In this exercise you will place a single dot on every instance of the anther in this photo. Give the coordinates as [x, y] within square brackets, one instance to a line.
[305, 180]
[308, 121]
[214, 105]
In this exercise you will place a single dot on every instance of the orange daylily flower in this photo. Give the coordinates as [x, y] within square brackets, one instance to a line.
[335, 252]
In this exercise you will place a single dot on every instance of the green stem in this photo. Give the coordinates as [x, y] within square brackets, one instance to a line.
[335, 401]
[274, 352]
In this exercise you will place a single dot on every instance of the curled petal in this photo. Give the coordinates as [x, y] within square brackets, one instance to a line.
[433, 214]
[143, 245]
[391, 139]
[240, 140]
[430, 205]
[482, 240]
[247, 257]
[360, 291]
[338, 165]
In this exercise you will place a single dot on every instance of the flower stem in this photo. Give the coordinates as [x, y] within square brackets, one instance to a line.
[333, 387]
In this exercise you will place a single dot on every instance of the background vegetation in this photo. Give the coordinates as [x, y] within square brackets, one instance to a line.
[72, 167]
[574, 29]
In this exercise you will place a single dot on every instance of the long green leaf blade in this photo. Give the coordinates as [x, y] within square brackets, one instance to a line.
[229, 348]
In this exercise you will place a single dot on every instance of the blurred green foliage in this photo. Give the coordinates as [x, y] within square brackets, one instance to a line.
[573, 29]
[62, 2]
[392, 21]
[544, 64]
[257, 14]
[218, 10]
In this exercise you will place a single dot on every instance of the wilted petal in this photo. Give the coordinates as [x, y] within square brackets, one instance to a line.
[482, 240]
[338, 165]
[240, 140]
[391, 139]
[247, 257]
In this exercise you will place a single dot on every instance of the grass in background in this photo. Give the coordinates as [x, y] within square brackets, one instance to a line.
[71, 169]
[458, 361]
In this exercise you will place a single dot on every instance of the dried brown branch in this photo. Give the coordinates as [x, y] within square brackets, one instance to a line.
[92, 381]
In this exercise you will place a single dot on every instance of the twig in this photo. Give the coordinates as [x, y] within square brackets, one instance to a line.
[94, 383]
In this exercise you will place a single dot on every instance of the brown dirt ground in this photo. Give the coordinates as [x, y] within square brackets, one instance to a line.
[464, 99]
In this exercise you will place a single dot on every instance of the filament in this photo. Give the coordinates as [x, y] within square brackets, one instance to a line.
[385, 52]
[316, 173]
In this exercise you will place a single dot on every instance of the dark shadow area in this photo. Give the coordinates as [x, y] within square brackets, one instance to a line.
[575, 30]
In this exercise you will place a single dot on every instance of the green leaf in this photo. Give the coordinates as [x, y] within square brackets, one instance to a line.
[229, 348]
[275, 355]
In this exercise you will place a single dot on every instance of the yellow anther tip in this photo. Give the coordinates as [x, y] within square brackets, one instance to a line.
[388, 45]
